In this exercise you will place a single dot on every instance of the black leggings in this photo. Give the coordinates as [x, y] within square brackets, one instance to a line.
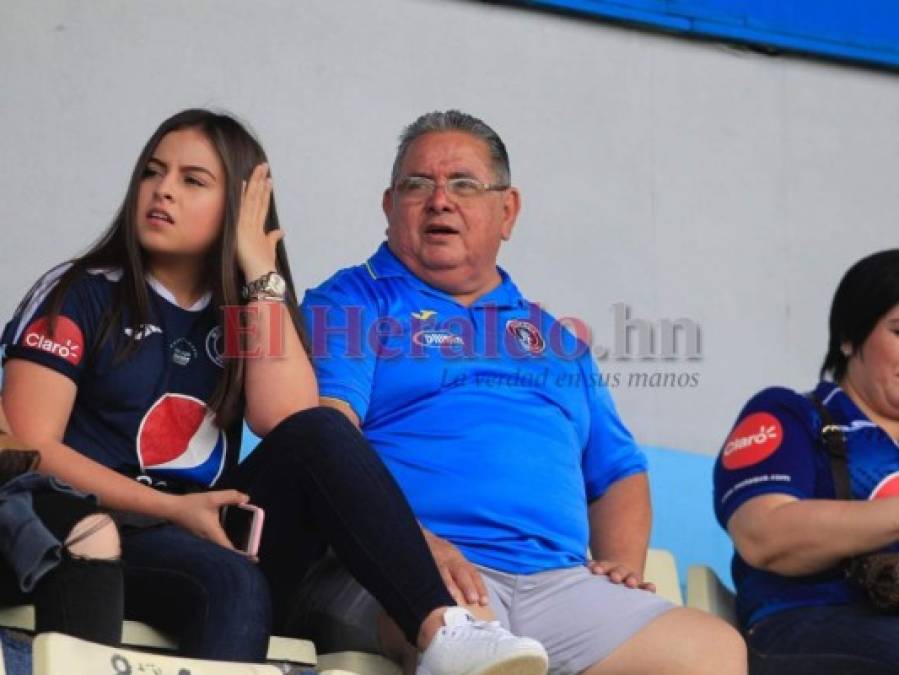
[79, 597]
[322, 485]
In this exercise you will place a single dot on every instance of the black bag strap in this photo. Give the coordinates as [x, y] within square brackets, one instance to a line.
[834, 440]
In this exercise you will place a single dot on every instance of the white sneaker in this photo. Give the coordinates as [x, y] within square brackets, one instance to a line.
[466, 646]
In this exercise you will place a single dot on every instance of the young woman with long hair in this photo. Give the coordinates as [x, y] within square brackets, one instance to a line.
[121, 370]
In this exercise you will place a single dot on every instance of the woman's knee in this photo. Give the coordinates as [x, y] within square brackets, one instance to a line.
[241, 598]
[307, 433]
[231, 581]
[95, 537]
[317, 421]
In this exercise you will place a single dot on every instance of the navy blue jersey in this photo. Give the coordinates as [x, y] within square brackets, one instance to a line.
[775, 447]
[145, 415]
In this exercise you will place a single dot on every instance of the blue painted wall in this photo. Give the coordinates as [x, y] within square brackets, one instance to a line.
[866, 31]
[683, 519]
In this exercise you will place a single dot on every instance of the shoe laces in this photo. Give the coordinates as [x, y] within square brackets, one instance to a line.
[487, 628]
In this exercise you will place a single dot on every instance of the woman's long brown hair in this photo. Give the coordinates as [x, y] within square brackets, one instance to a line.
[119, 247]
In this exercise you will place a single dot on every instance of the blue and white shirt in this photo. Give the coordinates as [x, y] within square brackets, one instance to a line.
[775, 448]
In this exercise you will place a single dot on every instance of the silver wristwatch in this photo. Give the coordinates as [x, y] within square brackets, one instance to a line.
[270, 286]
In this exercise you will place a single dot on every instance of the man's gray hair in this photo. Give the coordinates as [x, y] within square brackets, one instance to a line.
[454, 120]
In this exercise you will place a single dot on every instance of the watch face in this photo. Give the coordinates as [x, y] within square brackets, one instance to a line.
[276, 284]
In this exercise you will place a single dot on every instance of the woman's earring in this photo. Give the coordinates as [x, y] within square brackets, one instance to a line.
[846, 349]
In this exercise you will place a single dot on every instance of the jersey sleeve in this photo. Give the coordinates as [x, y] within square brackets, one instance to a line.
[63, 346]
[338, 314]
[611, 452]
[771, 449]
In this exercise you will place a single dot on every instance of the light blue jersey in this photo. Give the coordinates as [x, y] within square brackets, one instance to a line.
[493, 417]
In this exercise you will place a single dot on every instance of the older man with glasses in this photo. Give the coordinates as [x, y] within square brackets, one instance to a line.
[493, 418]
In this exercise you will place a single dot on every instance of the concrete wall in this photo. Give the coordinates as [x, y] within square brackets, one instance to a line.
[682, 179]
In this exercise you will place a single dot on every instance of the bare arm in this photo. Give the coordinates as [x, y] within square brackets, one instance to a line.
[4, 425]
[343, 407]
[789, 536]
[276, 386]
[38, 402]
[620, 521]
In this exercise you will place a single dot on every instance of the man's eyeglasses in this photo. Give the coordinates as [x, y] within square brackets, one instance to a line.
[419, 188]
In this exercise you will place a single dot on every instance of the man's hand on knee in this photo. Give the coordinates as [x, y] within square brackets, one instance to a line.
[462, 579]
[620, 574]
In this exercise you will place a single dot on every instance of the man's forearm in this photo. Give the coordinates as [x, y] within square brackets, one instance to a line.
[620, 522]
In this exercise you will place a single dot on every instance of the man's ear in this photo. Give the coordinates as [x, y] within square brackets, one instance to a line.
[511, 207]
[387, 202]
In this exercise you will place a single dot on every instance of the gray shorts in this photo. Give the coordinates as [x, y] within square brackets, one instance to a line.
[579, 617]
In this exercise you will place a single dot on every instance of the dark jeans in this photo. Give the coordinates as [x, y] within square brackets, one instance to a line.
[214, 601]
[837, 640]
[321, 486]
[79, 597]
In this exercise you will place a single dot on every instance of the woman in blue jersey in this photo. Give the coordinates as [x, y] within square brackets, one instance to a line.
[805, 485]
[132, 368]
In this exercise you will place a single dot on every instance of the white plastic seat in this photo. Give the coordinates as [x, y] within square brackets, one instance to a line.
[358, 662]
[137, 634]
[705, 591]
[661, 569]
[55, 653]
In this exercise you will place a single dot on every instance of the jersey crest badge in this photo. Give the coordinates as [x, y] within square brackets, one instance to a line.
[215, 346]
[527, 336]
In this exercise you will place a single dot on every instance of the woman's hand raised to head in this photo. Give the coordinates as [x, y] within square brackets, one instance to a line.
[281, 382]
[256, 247]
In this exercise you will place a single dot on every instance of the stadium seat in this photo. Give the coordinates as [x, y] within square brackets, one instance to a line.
[55, 653]
[358, 662]
[705, 591]
[136, 634]
[661, 569]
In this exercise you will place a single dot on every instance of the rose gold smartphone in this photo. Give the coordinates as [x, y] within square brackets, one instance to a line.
[243, 525]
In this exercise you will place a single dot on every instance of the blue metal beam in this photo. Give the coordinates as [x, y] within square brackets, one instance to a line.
[862, 31]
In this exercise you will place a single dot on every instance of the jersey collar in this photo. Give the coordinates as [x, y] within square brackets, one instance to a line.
[840, 405]
[385, 265]
[201, 304]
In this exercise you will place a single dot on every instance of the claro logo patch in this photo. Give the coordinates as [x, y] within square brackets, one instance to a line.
[753, 440]
[67, 341]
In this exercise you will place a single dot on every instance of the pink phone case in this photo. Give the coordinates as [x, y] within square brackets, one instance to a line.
[255, 529]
